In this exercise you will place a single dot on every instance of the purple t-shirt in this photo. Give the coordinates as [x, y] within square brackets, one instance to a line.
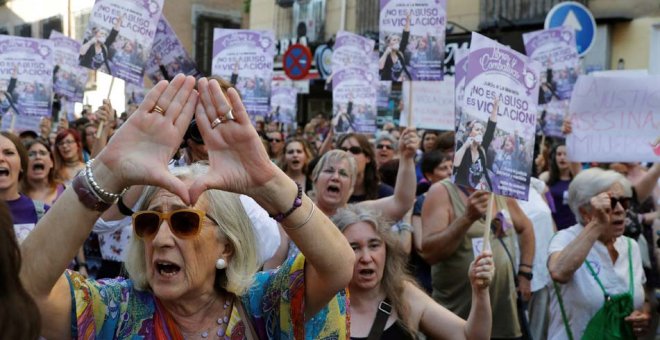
[24, 215]
[562, 215]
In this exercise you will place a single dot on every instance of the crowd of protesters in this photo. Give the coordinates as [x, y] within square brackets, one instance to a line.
[378, 243]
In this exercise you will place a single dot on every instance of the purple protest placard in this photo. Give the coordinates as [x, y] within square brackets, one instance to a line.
[134, 95]
[615, 119]
[26, 76]
[351, 50]
[245, 58]
[494, 148]
[283, 104]
[354, 100]
[412, 39]
[556, 50]
[119, 36]
[168, 56]
[69, 78]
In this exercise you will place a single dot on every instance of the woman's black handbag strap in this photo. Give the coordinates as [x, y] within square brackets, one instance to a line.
[384, 312]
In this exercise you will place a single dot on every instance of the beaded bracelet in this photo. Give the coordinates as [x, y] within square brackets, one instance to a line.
[296, 204]
[104, 195]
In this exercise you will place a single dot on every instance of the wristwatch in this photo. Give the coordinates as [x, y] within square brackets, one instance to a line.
[526, 275]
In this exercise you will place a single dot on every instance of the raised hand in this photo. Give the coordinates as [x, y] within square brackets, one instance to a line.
[602, 209]
[482, 270]
[140, 151]
[477, 204]
[408, 143]
[238, 161]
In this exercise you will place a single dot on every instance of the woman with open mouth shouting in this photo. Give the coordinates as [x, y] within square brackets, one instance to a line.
[597, 272]
[193, 259]
[386, 303]
[40, 183]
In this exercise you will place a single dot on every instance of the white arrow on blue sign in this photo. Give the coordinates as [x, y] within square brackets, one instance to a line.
[577, 16]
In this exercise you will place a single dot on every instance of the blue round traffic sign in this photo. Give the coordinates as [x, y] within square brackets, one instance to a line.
[577, 16]
[297, 61]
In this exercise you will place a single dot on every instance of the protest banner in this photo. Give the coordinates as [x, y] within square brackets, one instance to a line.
[432, 102]
[389, 103]
[134, 96]
[119, 36]
[283, 105]
[351, 50]
[354, 100]
[17, 124]
[412, 39]
[460, 71]
[168, 57]
[494, 148]
[26, 77]
[245, 58]
[615, 119]
[69, 78]
[556, 50]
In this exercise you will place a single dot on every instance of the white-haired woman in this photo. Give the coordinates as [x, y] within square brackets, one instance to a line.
[598, 273]
[193, 262]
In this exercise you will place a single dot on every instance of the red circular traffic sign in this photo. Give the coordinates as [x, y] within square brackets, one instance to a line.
[297, 61]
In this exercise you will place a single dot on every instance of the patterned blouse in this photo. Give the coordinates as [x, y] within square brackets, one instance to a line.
[114, 309]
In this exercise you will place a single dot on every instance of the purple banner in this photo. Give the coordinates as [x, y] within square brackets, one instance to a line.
[495, 145]
[283, 105]
[69, 78]
[245, 58]
[556, 50]
[351, 50]
[119, 36]
[26, 76]
[168, 56]
[460, 71]
[412, 39]
[354, 101]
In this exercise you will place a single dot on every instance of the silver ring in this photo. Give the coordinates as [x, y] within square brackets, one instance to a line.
[229, 115]
[216, 122]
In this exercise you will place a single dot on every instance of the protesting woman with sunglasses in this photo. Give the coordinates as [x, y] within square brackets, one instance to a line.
[192, 261]
[598, 272]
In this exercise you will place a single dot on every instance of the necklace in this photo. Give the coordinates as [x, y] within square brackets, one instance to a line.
[222, 322]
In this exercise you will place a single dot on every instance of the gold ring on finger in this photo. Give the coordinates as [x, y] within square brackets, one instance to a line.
[158, 109]
[216, 122]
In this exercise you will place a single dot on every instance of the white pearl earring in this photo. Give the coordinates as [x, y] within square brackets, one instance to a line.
[221, 264]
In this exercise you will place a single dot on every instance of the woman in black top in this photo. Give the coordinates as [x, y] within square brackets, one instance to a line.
[392, 64]
[470, 161]
[94, 52]
[380, 282]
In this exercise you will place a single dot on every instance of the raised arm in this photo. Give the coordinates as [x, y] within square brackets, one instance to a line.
[329, 258]
[138, 155]
[442, 232]
[645, 186]
[439, 323]
[396, 206]
[562, 264]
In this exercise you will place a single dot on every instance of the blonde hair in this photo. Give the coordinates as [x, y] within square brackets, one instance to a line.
[334, 156]
[395, 273]
[234, 225]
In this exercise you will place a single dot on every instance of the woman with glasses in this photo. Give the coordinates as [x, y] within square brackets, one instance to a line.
[386, 301]
[597, 272]
[192, 262]
[68, 155]
[40, 183]
[337, 177]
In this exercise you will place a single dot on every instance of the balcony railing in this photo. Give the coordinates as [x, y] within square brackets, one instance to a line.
[506, 13]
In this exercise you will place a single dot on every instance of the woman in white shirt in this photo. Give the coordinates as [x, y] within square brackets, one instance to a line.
[594, 266]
